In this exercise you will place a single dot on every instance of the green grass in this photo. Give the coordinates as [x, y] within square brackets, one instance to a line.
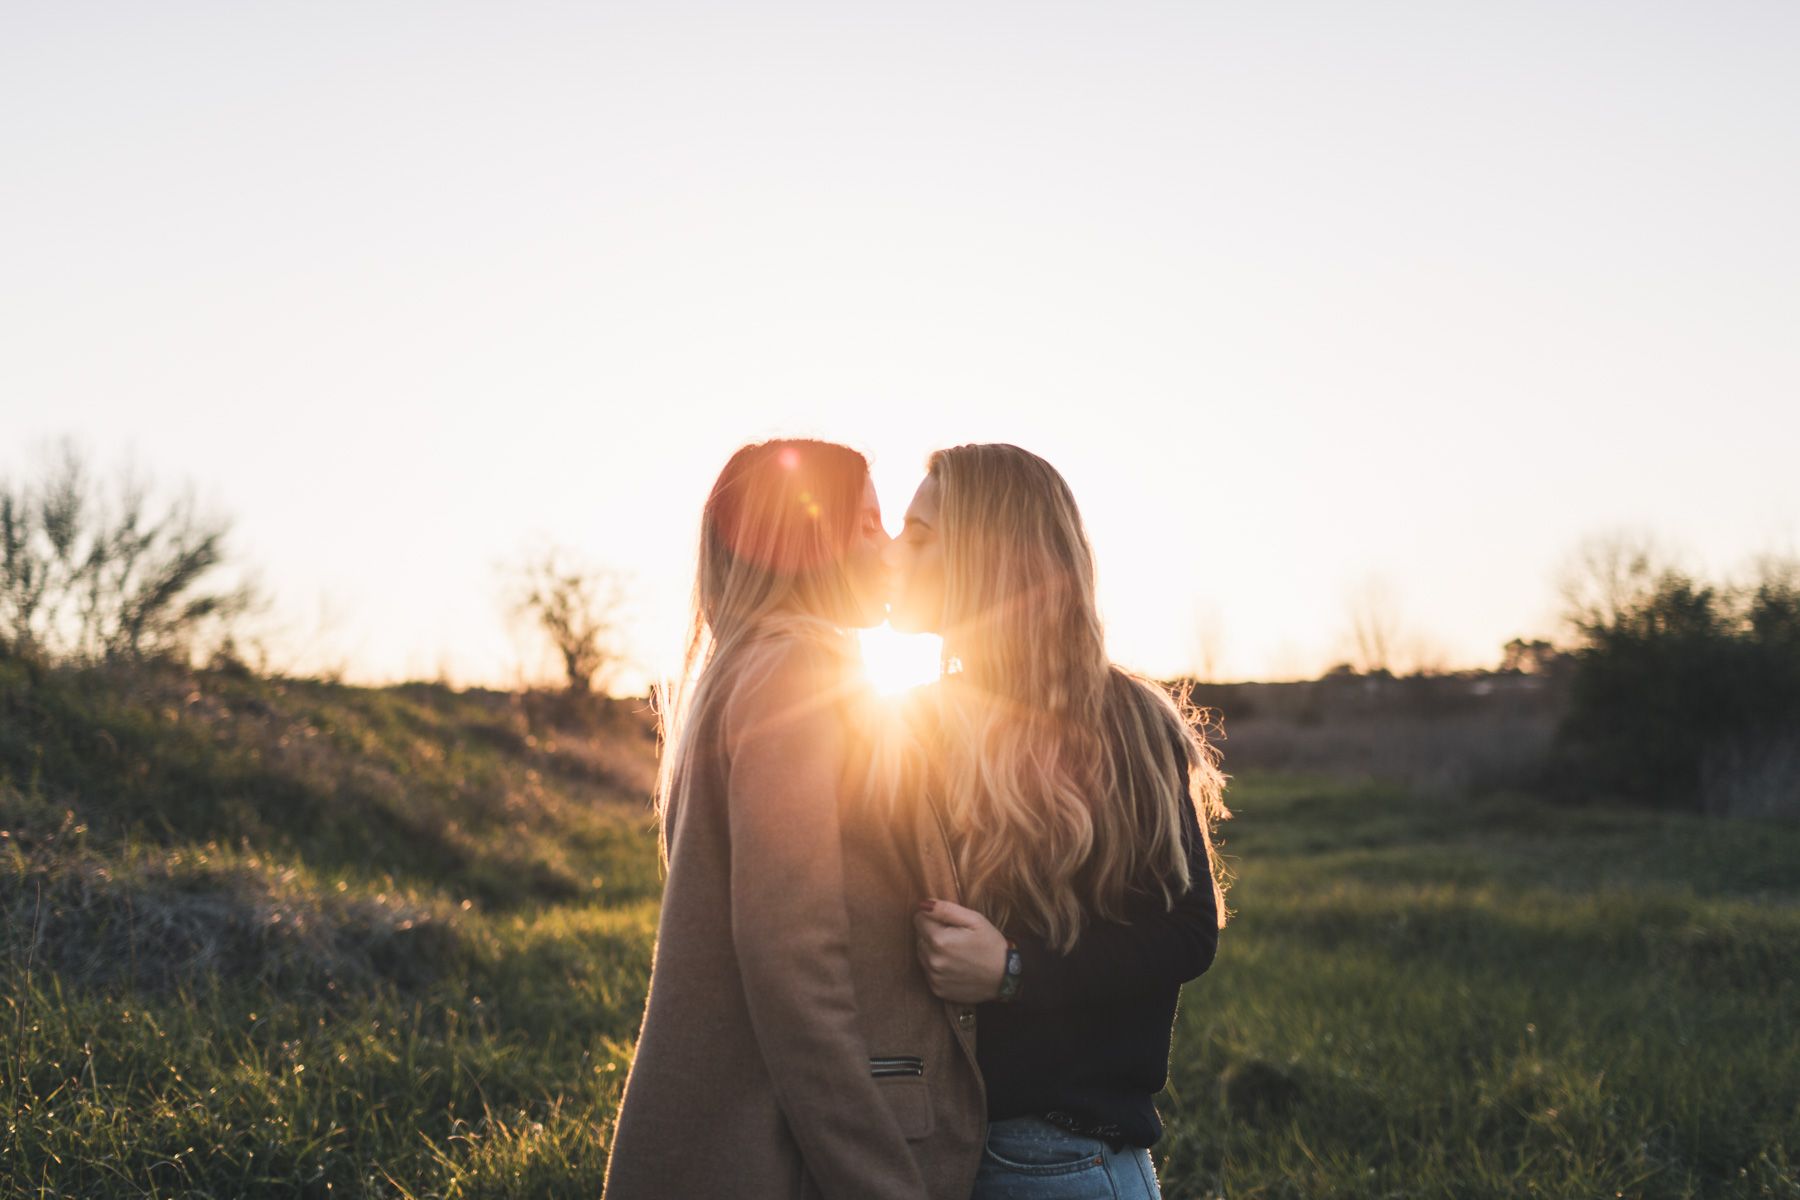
[295, 939]
[1491, 997]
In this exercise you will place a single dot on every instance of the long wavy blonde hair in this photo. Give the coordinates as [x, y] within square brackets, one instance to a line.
[773, 537]
[1063, 775]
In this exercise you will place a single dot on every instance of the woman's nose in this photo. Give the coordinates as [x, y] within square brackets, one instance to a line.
[890, 554]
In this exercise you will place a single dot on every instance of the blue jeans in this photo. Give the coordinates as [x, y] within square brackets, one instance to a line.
[1028, 1158]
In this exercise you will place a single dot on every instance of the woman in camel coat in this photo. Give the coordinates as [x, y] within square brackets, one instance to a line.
[791, 1047]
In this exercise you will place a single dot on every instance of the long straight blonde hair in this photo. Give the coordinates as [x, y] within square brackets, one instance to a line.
[773, 538]
[1062, 773]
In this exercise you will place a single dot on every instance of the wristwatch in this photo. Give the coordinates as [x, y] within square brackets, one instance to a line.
[1015, 966]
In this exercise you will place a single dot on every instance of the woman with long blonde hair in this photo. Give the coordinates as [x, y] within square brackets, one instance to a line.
[1080, 802]
[790, 1047]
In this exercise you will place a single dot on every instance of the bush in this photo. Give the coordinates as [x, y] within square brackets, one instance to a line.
[91, 573]
[1689, 697]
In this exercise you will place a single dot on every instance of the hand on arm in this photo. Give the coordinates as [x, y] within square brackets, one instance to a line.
[964, 955]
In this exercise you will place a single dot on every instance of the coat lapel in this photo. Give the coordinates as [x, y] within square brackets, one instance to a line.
[935, 866]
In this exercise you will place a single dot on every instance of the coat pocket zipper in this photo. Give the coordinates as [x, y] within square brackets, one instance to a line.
[896, 1064]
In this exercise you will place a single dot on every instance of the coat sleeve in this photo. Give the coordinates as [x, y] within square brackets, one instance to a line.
[790, 928]
[1113, 960]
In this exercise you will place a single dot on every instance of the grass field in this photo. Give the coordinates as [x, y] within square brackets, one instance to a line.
[298, 939]
[1491, 998]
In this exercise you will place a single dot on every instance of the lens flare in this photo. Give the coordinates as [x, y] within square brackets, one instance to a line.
[895, 662]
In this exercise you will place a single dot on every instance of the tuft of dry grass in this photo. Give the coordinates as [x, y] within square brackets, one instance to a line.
[151, 917]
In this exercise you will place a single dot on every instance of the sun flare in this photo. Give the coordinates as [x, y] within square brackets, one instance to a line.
[897, 661]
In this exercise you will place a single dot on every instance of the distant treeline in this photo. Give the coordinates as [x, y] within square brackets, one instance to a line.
[1674, 692]
[1678, 694]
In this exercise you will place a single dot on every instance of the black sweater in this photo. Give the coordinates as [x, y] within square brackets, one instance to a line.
[1086, 1042]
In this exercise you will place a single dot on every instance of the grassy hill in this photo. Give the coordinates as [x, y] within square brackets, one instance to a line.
[292, 938]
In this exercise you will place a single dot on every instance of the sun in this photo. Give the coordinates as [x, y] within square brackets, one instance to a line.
[898, 661]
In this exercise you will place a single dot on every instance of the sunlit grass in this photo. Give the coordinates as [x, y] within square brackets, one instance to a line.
[1485, 997]
[291, 939]
[1491, 998]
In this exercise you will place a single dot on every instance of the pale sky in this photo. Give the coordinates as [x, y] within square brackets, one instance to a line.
[1294, 294]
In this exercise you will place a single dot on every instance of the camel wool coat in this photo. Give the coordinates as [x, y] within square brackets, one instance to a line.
[791, 1048]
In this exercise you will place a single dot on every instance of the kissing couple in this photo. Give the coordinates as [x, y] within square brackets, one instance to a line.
[928, 947]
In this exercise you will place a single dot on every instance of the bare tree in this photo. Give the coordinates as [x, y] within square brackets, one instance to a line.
[577, 607]
[1607, 575]
[1209, 641]
[1375, 626]
[90, 572]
